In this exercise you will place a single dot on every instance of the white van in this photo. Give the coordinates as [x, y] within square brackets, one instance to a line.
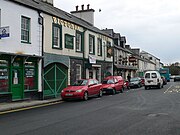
[152, 79]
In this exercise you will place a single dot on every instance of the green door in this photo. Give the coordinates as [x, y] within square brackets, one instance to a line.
[55, 79]
[17, 81]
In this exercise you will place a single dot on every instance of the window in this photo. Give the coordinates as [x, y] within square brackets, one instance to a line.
[69, 41]
[154, 75]
[91, 44]
[4, 73]
[25, 29]
[115, 56]
[79, 41]
[99, 49]
[30, 82]
[109, 49]
[57, 36]
[78, 71]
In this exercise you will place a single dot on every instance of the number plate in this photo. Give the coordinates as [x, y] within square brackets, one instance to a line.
[69, 94]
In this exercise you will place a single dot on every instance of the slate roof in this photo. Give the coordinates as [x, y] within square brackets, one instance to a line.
[51, 10]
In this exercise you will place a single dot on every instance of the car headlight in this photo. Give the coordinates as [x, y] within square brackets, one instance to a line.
[62, 91]
[109, 88]
[79, 90]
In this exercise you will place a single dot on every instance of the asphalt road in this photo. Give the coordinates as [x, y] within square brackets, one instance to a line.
[134, 112]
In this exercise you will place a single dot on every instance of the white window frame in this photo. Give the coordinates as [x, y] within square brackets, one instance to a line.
[78, 71]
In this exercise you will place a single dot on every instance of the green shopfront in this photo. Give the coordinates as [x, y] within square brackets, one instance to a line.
[18, 77]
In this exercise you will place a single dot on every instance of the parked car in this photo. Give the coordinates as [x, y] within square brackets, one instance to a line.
[176, 78]
[82, 89]
[135, 82]
[164, 80]
[113, 84]
[152, 79]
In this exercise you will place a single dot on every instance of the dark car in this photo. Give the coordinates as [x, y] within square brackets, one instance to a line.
[177, 78]
[135, 82]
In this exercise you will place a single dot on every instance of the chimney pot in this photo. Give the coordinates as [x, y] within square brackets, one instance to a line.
[88, 6]
[82, 6]
[77, 8]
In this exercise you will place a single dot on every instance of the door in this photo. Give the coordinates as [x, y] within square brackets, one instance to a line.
[55, 79]
[17, 83]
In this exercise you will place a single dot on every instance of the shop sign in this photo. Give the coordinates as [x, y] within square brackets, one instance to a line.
[4, 32]
[29, 72]
[132, 59]
[65, 23]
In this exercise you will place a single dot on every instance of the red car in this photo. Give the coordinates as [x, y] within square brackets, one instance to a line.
[113, 84]
[82, 89]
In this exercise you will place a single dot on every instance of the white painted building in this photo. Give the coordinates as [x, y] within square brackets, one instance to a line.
[20, 52]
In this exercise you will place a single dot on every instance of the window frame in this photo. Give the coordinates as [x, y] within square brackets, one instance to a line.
[99, 46]
[28, 30]
[68, 36]
[59, 46]
[80, 75]
[93, 44]
[81, 43]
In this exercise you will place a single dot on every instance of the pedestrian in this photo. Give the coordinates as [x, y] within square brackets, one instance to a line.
[129, 77]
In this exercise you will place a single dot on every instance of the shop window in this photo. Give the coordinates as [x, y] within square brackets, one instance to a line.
[98, 74]
[30, 82]
[4, 73]
[69, 41]
[79, 41]
[25, 29]
[78, 71]
[91, 44]
[57, 36]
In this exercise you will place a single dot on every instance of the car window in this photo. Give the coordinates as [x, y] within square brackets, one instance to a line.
[91, 82]
[147, 75]
[109, 81]
[96, 82]
[154, 75]
[80, 83]
[115, 80]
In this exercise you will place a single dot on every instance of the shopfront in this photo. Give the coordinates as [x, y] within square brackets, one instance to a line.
[18, 77]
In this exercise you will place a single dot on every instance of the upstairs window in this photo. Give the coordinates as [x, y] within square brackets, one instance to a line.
[91, 44]
[79, 41]
[57, 36]
[99, 49]
[69, 41]
[109, 49]
[25, 29]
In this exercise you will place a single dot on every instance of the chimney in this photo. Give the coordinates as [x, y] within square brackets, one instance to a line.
[85, 14]
[77, 8]
[48, 1]
[82, 6]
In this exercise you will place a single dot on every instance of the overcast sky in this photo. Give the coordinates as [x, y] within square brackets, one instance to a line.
[151, 25]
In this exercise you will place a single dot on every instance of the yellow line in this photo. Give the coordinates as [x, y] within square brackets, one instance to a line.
[168, 89]
[31, 107]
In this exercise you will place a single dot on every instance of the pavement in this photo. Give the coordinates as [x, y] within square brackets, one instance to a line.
[27, 104]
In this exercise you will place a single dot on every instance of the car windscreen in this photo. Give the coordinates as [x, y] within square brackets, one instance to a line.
[147, 75]
[109, 81]
[80, 83]
[134, 79]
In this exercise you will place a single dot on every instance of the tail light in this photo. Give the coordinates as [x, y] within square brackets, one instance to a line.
[158, 80]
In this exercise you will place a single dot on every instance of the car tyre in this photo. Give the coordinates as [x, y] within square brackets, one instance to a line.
[85, 98]
[100, 93]
[113, 91]
[122, 90]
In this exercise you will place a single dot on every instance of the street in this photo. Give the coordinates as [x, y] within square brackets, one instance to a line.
[134, 112]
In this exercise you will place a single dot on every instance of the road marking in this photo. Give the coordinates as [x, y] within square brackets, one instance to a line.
[168, 89]
[31, 107]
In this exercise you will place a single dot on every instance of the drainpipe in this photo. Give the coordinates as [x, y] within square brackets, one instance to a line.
[41, 21]
[84, 69]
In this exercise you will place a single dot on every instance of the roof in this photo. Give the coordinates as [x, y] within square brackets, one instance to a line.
[51, 10]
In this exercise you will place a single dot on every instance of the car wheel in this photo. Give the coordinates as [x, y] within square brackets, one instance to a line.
[113, 91]
[85, 98]
[146, 87]
[100, 93]
[159, 86]
[122, 90]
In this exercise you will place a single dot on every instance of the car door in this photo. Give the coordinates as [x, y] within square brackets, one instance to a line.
[91, 90]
